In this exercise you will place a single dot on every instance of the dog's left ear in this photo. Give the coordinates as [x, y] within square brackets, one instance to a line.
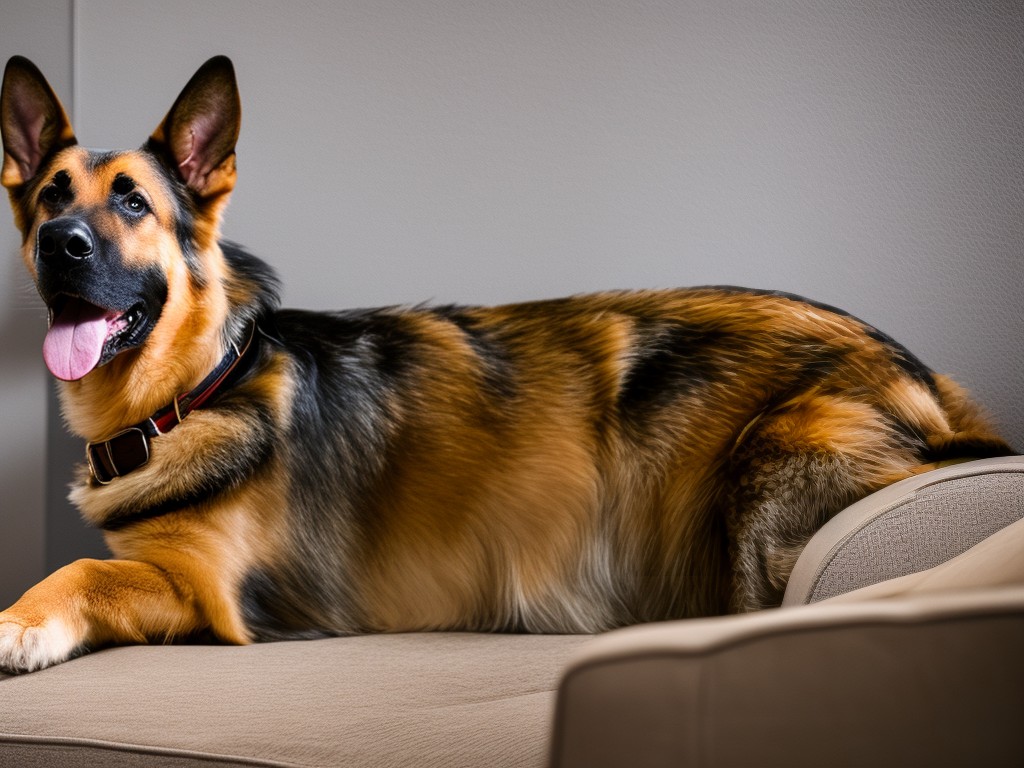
[33, 122]
[197, 138]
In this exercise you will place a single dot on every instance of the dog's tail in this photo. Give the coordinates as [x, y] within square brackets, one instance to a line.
[970, 435]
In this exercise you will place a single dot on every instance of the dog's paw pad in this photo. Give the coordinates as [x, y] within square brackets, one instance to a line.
[28, 648]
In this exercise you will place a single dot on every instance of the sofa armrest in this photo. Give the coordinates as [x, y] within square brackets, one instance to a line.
[908, 527]
[932, 680]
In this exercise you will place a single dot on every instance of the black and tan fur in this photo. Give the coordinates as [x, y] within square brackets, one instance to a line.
[558, 466]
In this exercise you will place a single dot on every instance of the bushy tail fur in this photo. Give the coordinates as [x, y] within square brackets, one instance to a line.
[971, 435]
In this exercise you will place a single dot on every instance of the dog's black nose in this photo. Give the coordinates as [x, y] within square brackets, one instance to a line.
[65, 239]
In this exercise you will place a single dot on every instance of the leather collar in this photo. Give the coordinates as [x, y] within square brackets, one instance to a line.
[128, 450]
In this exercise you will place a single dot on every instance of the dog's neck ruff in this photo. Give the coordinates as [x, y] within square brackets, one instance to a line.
[128, 450]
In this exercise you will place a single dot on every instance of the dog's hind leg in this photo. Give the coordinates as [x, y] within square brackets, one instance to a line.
[792, 471]
[91, 603]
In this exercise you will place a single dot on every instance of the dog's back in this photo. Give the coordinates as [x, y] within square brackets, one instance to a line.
[578, 464]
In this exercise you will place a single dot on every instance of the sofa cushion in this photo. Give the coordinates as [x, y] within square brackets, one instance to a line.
[929, 680]
[443, 699]
[910, 526]
[995, 562]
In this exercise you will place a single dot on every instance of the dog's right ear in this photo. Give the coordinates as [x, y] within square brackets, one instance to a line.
[32, 120]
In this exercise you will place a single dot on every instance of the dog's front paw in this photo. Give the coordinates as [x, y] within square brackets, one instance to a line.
[26, 647]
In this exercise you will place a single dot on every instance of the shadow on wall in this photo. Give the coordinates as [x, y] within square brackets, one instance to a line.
[23, 425]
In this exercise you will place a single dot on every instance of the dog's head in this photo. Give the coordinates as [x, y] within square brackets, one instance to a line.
[122, 245]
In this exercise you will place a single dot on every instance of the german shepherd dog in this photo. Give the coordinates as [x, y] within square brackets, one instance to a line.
[558, 466]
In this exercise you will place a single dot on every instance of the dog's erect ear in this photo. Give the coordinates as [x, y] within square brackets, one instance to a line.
[32, 120]
[197, 138]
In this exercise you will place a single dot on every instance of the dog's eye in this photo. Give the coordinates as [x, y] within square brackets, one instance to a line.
[136, 203]
[51, 195]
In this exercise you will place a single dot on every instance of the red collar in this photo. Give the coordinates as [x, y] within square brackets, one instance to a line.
[129, 449]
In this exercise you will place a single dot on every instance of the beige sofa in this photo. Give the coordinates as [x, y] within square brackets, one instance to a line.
[900, 643]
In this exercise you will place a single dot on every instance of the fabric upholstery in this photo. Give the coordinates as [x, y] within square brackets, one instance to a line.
[442, 700]
[910, 526]
[996, 561]
[932, 680]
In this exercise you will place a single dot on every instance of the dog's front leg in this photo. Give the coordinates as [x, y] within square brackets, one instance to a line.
[90, 603]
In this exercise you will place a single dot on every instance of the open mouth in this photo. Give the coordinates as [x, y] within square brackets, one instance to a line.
[83, 336]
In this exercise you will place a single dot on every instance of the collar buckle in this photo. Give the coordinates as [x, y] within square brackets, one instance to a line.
[123, 453]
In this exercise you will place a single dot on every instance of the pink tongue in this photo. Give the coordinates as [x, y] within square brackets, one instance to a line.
[75, 341]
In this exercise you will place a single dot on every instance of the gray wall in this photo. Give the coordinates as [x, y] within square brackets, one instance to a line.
[867, 154]
[40, 29]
